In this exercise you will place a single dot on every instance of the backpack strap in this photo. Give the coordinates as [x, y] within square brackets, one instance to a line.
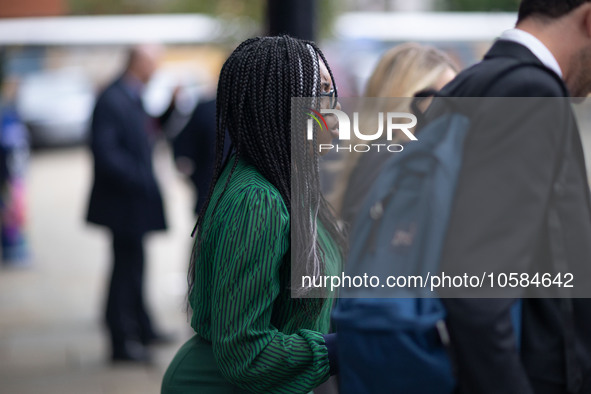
[508, 68]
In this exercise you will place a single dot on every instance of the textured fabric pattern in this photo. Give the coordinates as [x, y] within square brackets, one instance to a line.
[263, 340]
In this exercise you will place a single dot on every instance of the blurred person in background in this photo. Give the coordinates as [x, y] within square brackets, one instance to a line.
[251, 335]
[126, 199]
[14, 156]
[401, 72]
[194, 149]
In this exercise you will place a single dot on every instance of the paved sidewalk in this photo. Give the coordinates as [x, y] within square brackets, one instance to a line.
[51, 338]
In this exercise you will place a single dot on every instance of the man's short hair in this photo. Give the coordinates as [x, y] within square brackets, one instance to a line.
[547, 8]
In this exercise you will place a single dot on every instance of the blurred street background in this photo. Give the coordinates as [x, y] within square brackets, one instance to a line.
[55, 57]
[51, 337]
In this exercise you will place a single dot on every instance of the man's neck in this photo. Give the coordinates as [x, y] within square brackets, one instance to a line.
[547, 36]
[540, 51]
[133, 82]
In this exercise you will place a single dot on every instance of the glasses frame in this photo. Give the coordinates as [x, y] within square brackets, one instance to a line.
[332, 96]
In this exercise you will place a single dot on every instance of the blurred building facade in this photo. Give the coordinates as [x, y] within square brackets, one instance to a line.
[391, 5]
[27, 8]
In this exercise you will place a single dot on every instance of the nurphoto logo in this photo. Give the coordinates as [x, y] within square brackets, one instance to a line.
[395, 121]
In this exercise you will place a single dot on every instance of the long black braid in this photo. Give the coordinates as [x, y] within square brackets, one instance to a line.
[254, 104]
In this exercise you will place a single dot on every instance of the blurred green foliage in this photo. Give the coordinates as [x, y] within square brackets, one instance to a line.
[254, 10]
[478, 5]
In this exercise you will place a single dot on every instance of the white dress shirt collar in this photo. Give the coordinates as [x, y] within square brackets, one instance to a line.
[535, 46]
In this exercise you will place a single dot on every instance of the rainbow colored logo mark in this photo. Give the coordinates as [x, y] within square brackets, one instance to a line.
[315, 115]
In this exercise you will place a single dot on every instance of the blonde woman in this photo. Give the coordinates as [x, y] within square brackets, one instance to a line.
[401, 72]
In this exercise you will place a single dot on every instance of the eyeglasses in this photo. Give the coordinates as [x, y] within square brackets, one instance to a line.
[332, 97]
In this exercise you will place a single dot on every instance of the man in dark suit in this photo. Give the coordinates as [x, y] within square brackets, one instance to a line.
[505, 191]
[126, 199]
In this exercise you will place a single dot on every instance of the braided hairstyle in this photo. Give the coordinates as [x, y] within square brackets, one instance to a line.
[254, 104]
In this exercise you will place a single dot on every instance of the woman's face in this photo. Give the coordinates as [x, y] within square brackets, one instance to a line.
[326, 136]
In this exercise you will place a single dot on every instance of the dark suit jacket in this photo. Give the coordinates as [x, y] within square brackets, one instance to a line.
[504, 191]
[125, 196]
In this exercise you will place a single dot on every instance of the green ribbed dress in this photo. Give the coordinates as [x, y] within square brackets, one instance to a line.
[251, 336]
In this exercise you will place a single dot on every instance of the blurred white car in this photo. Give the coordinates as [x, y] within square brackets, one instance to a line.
[190, 81]
[56, 106]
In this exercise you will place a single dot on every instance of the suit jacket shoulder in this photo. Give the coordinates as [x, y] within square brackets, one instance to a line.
[112, 97]
[487, 78]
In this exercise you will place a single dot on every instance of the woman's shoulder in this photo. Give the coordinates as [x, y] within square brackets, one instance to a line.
[247, 181]
[247, 177]
[248, 189]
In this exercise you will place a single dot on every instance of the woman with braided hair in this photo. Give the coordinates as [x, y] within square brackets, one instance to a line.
[251, 334]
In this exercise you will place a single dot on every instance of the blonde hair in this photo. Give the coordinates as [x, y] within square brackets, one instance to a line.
[406, 69]
[401, 72]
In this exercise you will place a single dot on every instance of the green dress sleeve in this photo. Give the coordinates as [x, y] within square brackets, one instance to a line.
[250, 351]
